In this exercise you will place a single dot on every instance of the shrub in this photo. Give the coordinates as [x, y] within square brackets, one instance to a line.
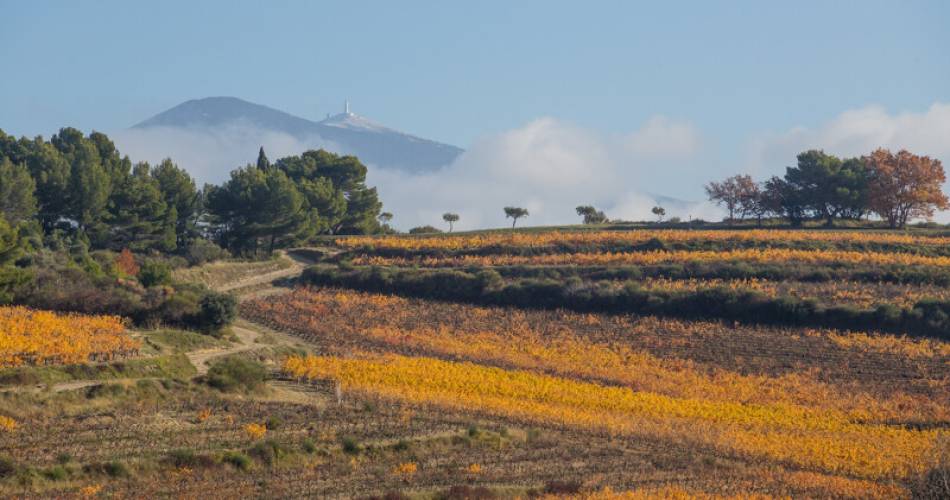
[425, 230]
[269, 451]
[183, 458]
[350, 445]
[7, 467]
[154, 273]
[200, 251]
[56, 473]
[216, 310]
[308, 446]
[116, 468]
[234, 374]
[237, 459]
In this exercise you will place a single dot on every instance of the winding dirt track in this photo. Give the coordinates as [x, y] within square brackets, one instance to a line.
[246, 332]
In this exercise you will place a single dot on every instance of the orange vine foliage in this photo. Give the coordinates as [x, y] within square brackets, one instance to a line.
[42, 337]
[758, 255]
[553, 238]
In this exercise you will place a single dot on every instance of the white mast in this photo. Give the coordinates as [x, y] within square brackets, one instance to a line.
[346, 107]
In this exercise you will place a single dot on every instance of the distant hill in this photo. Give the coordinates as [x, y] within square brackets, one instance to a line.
[348, 132]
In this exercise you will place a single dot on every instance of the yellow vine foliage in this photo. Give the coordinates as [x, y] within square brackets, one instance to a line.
[553, 238]
[255, 431]
[556, 344]
[406, 470]
[757, 255]
[90, 491]
[29, 336]
[7, 424]
[809, 438]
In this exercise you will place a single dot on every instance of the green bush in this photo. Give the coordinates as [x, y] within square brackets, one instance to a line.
[236, 374]
[200, 251]
[237, 459]
[269, 451]
[116, 468]
[154, 273]
[216, 311]
[425, 230]
[350, 445]
[56, 473]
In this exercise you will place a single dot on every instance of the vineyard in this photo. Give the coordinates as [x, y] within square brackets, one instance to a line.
[586, 364]
[43, 337]
[819, 352]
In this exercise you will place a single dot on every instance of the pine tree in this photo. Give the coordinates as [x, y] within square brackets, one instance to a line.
[262, 161]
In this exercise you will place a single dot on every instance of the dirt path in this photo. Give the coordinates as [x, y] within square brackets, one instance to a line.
[201, 357]
[297, 266]
[247, 333]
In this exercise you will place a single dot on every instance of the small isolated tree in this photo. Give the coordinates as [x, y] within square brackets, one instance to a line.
[659, 212]
[904, 186]
[385, 217]
[450, 218]
[730, 193]
[515, 213]
[591, 215]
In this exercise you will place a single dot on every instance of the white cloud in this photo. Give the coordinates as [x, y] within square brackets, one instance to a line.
[549, 167]
[209, 155]
[858, 132]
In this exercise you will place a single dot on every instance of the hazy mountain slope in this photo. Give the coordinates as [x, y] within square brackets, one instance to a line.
[347, 132]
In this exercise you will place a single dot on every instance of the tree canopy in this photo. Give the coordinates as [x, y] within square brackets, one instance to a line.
[591, 215]
[515, 213]
[450, 218]
[82, 186]
[903, 185]
[897, 187]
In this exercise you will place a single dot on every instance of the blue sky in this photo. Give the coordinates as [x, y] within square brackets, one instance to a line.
[453, 71]
[559, 103]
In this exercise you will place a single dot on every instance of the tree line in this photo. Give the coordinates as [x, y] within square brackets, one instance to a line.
[79, 188]
[897, 187]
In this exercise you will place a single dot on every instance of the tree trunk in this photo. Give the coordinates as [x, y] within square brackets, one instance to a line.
[513, 221]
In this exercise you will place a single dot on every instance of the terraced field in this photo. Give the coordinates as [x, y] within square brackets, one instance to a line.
[470, 367]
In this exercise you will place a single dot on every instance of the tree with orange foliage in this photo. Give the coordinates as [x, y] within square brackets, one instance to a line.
[904, 186]
[735, 193]
[125, 263]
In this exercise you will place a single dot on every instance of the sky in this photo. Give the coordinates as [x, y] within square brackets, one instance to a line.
[678, 93]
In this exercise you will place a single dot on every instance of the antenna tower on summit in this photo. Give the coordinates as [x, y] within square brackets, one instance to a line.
[346, 107]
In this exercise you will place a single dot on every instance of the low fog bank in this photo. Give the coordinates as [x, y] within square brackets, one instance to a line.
[547, 166]
[550, 166]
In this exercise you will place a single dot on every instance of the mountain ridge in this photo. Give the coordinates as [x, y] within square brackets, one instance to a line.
[348, 132]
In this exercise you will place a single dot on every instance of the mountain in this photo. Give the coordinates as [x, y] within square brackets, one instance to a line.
[345, 133]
